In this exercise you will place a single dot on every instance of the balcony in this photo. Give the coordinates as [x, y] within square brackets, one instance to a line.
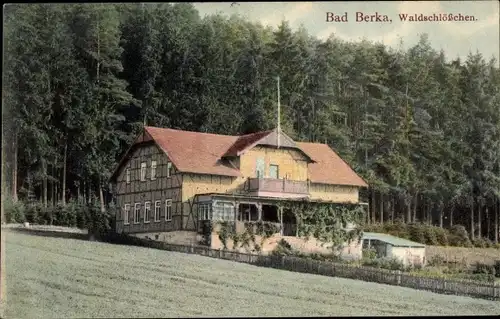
[281, 188]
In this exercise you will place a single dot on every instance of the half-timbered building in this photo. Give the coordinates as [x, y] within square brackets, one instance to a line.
[171, 179]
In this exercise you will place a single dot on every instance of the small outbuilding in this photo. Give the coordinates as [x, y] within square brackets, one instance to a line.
[385, 245]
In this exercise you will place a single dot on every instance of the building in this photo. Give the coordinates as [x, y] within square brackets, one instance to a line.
[385, 245]
[171, 180]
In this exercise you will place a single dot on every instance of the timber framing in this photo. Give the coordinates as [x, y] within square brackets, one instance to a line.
[260, 169]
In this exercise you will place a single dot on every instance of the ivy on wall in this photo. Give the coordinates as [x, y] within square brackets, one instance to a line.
[326, 222]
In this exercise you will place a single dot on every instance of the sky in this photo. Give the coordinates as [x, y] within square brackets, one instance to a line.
[456, 38]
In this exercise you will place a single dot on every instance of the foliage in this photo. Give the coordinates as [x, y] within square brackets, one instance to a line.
[385, 263]
[424, 233]
[327, 222]
[459, 237]
[369, 254]
[15, 212]
[82, 79]
[487, 269]
[246, 238]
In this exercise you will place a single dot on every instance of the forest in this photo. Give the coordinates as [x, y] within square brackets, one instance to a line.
[80, 81]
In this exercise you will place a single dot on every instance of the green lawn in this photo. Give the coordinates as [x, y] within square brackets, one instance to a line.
[60, 278]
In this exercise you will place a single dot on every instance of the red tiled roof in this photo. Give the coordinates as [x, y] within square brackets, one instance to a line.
[245, 141]
[195, 152]
[329, 167]
[202, 153]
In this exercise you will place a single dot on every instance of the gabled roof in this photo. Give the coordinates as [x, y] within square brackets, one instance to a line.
[195, 152]
[393, 240]
[204, 153]
[269, 138]
[244, 142]
[329, 167]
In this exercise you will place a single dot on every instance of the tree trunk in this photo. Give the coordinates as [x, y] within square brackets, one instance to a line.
[479, 220]
[497, 230]
[373, 206]
[381, 208]
[451, 214]
[101, 198]
[90, 193]
[415, 205]
[488, 224]
[408, 202]
[52, 188]
[84, 191]
[392, 208]
[63, 187]
[429, 213]
[472, 220]
[441, 215]
[78, 193]
[44, 183]
[14, 167]
[56, 193]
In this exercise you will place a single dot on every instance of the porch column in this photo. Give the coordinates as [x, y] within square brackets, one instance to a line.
[259, 211]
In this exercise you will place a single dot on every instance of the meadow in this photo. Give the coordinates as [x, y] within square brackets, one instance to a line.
[61, 277]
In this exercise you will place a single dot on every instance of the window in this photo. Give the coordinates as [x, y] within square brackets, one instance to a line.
[127, 174]
[273, 171]
[157, 211]
[169, 169]
[137, 213]
[204, 212]
[147, 211]
[168, 209]
[126, 214]
[223, 211]
[143, 171]
[153, 170]
[259, 169]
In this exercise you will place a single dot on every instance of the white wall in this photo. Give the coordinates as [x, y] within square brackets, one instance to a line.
[407, 255]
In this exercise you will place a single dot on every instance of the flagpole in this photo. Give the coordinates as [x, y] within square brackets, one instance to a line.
[279, 112]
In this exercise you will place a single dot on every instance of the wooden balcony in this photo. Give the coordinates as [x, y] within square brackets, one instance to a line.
[282, 188]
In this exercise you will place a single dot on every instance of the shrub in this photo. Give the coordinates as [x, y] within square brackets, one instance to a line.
[496, 266]
[283, 249]
[385, 263]
[479, 243]
[441, 236]
[14, 211]
[369, 253]
[436, 260]
[482, 268]
[417, 233]
[459, 236]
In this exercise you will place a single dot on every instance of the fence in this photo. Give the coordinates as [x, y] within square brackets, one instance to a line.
[327, 268]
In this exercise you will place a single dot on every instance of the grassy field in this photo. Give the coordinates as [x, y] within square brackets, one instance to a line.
[56, 277]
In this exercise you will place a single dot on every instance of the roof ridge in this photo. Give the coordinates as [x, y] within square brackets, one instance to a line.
[206, 133]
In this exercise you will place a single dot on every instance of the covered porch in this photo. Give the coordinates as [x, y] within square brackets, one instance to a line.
[232, 208]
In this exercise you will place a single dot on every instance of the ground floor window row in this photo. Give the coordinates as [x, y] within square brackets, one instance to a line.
[143, 211]
[228, 211]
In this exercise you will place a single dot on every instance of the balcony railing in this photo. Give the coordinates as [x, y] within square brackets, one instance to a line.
[272, 186]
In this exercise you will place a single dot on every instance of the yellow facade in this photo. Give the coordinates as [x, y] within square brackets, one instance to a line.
[292, 164]
[334, 193]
